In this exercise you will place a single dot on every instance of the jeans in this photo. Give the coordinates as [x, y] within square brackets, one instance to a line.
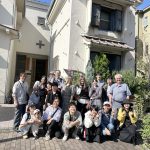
[110, 127]
[19, 112]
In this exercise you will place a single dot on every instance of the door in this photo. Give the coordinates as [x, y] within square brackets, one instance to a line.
[41, 68]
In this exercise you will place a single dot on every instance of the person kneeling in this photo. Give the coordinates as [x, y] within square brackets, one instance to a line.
[107, 122]
[31, 120]
[127, 118]
[92, 122]
[72, 122]
[51, 118]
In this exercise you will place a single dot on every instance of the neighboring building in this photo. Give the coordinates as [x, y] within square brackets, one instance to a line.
[143, 32]
[24, 42]
[80, 30]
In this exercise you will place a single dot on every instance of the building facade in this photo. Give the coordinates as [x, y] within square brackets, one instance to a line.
[80, 30]
[24, 42]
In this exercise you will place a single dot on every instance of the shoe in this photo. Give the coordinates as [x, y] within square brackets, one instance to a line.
[16, 129]
[35, 137]
[65, 138]
[77, 138]
[25, 136]
[47, 137]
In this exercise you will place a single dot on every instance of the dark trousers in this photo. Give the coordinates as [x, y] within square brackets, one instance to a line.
[52, 129]
[82, 109]
[19, 112]
[92, 134]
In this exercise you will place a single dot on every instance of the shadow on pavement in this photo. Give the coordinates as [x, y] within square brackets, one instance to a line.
[10, 139]
[6, 113]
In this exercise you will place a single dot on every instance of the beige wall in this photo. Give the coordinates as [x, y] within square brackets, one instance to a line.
[31, 32]
[60, 38]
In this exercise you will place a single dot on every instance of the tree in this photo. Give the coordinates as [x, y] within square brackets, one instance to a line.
[89, 73]
[100, 65]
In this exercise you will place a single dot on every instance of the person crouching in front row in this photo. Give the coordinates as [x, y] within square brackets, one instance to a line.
[127, 119]
[31, 120]
[92, 123]
[51, 118]
[107, 122]
[72, 122]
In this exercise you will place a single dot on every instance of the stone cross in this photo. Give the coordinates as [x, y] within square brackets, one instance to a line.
[40, 44]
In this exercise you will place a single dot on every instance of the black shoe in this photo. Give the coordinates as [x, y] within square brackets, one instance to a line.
[16, 129]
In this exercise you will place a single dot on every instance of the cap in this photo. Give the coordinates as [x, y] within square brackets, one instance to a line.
[106, 103]
[36, 111]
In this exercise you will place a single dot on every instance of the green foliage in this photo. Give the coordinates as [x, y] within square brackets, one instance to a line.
[89, 75]
[100, 65]
[75, 78]
[146, 131]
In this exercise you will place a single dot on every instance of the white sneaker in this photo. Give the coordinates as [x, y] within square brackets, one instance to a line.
[77, 138]
[47, 137]
[65, 138]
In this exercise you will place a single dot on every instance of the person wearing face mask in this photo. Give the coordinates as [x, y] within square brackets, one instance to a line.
[95, 94]
[72, 122]
[118, 93]
[127, 119]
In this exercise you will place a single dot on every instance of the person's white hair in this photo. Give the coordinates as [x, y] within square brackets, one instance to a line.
[118, 75]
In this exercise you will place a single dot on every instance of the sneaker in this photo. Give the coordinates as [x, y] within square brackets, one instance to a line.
[77, 138]
[25, 136]
[35, 137]
[47, 137]
[65, 138]
[16, 129]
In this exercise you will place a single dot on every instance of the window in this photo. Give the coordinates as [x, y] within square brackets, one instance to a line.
[146, 50]
[106, 18]
[41, 21]
[145, 22]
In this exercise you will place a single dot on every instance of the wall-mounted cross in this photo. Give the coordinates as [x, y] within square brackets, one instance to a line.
[40, 44]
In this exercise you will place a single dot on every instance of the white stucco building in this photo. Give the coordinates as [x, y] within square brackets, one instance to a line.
[82, 29]
[24, 42]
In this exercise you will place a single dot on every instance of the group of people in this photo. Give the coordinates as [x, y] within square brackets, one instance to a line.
[93, 113]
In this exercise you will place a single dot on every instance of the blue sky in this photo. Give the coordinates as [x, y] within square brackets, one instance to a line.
[45, 1]
[145, 4]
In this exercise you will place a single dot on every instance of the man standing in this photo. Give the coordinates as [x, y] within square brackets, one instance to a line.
[118, 93]
[20, 96]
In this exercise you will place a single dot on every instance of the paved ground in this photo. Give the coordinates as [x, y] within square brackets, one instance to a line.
[10, 140]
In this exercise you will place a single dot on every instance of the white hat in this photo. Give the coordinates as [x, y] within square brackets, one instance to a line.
[36, 111]
[106, 103]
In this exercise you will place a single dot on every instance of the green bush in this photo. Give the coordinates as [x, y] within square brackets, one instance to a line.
[146, 131]
[100, 65]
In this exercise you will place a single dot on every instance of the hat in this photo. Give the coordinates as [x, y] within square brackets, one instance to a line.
[126, 101]
[106, 103]
[36, 111]
[55, 84]
[31, 104]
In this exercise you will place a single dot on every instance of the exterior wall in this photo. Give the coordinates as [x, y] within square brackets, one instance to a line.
[31, 32]
[79, 53]
[7, 12]
[60, 38]
[4, 55]
[146, 33]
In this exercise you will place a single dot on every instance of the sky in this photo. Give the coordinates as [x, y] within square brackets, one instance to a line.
[145, 4]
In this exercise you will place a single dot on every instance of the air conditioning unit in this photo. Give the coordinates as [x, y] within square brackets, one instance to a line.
[41, 21]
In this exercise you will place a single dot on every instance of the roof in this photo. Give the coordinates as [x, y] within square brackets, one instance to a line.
[107, 42]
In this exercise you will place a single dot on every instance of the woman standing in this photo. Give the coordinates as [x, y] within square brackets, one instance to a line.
[95, 94]
[41, 87]
[82, 95]
[67, 94]
[127, 118]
